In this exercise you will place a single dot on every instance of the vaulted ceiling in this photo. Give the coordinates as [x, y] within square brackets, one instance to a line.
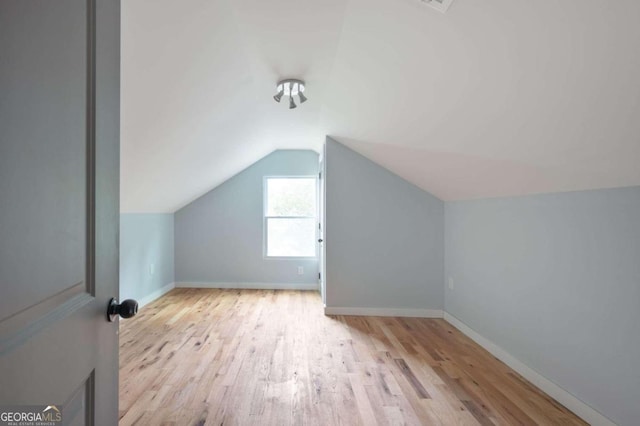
[493, 98]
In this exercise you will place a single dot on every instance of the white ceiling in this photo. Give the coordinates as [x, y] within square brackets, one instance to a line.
[493, 98]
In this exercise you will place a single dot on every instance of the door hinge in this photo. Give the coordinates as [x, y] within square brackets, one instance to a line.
[320, 175]
[319, 275]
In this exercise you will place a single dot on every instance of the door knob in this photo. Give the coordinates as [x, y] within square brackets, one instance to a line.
[320, 240]
[126, 309]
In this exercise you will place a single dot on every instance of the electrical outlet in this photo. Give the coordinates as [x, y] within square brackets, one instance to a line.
[152, 268]
[450, 283]
[300, 270]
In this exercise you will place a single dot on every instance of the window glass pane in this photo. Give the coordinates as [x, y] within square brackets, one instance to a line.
[291, 197]
[291, 237]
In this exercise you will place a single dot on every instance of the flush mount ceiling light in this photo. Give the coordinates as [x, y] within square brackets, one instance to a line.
[290, 87]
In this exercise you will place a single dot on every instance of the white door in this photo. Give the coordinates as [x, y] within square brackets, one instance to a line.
[59, 161]
[321, 231]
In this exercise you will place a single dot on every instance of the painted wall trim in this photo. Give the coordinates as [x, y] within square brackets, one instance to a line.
[156, 294]
[581, 409]
[384, 312]
[254, 286]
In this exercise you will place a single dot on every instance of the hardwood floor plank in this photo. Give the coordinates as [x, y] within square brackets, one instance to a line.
[271, 357]
[412, 379]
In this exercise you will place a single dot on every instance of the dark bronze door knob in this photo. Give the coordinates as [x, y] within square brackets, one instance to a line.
[126, 309]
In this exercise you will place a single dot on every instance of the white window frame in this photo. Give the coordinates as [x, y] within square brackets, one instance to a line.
[265, 217]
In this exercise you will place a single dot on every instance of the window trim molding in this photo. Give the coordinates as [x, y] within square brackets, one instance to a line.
[265, 218]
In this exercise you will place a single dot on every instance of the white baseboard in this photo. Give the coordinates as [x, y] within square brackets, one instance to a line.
[156, 294]
[254, 286]
[581, 409]
[384, 312]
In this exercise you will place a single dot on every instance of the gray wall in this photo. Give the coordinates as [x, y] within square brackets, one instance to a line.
[145, 240]
[384, 237]
[219, 236]
[555, 281]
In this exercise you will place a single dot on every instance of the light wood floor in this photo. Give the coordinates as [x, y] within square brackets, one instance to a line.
[258, 357]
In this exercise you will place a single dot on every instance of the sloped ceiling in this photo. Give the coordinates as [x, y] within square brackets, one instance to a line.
[493, 98]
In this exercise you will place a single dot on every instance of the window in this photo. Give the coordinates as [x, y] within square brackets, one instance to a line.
[290, 216]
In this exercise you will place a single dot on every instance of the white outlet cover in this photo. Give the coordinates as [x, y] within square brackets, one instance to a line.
[300, 270]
